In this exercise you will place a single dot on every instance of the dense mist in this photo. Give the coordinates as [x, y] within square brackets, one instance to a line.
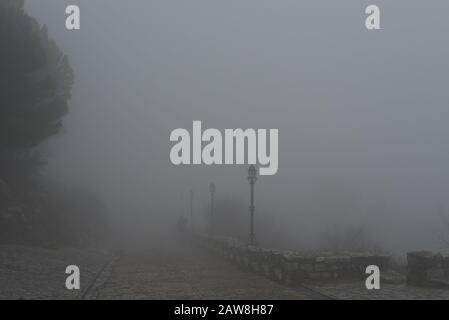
[362, 116]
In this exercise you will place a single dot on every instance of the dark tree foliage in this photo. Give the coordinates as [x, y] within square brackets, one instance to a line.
[35, 81]
[35, 85]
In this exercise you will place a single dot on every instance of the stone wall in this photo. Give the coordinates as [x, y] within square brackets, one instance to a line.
[425, 268]
[292, 267]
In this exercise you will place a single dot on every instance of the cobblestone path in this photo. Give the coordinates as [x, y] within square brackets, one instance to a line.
[189, 274]
[165, 272]
[36, 273]
[357, 290]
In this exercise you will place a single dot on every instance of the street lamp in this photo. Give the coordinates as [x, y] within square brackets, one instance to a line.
[252, 177]
[212, 193]
[191, 210]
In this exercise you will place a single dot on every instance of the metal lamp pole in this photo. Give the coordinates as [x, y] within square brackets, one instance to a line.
[252, 177]
[212, 193]
[191, 209]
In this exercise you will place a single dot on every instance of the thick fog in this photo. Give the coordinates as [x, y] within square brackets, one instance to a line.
[362, 116]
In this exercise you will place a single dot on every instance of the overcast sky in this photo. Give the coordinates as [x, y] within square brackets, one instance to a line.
[362, 115]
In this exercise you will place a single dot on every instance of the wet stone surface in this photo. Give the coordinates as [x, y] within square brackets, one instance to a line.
[172, 273]
[189, 274]
[37, 273]
[356, 290]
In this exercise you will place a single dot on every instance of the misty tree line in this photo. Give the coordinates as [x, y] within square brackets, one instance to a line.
[231, 219]
[36, 81]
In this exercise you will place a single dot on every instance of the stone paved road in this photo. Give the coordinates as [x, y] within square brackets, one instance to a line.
[167, 272]
[355, 290]
[188, 273]
[37, 273]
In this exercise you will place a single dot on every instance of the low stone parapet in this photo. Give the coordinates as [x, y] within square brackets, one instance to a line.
[293, 267]
[425, 268]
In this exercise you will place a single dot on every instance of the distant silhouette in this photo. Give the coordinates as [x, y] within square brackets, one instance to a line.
[181, 225]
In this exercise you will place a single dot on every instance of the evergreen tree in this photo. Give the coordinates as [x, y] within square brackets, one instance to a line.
[35, 82]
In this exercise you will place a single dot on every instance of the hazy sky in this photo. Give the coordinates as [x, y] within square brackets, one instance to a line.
[362, 115]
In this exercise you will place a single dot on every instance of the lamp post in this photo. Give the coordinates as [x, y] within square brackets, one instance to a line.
[252, 177]
[212, 193]
[191, 209]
